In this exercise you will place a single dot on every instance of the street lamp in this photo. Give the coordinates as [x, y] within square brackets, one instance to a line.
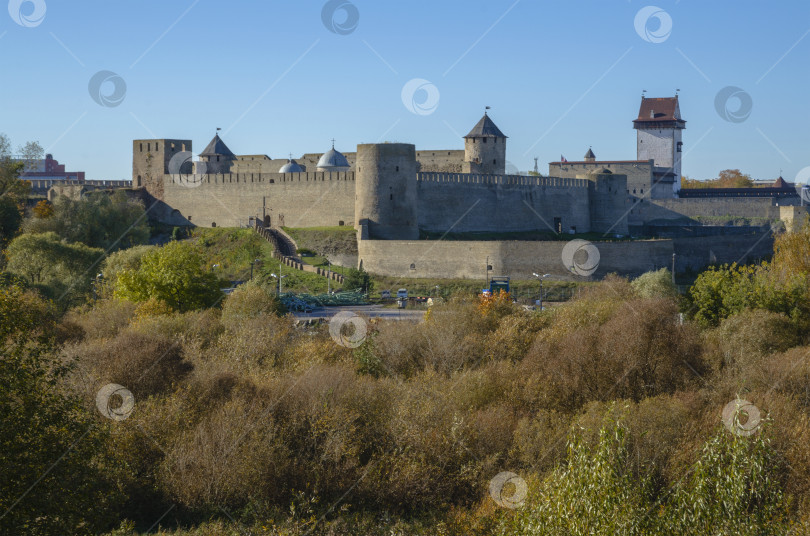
[279, 277]
[252, 264]
[540, 278]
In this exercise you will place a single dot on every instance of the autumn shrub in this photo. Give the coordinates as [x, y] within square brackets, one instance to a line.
[460, 334]
[145, 364]
[248, 301]
[258, 343]
[639, 350]
[103, 318]
[749, 335]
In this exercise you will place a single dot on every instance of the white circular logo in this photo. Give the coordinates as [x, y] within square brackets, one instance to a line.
[653, 32]
[803, 176]
[420, 96]
[741, 417]
[347, 329]
[120, 412]
[733, 104]
[342, 24]
[107, 88]
[182, 169]
[34, 12]
[498, 488]
[580, 257]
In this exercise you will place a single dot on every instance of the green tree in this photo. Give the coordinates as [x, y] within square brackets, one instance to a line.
[10, 183]
[720, 292]
[100, 220]
[62, 270]
[31, 153]
[595, 492]
[10, 219]
[355, 279]
[657, 284]
[174, 274]
[52, 480]
[734, 488]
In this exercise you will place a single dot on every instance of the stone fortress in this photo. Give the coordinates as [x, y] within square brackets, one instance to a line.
[393, 193]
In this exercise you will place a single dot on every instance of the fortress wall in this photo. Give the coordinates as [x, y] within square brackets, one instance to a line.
[292, 199]
[639, 174]
[697, 253]
[440, 161]
[659, 210]
[467, 259]
[475, 203]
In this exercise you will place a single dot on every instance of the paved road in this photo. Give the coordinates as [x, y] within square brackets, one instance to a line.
[370, 311]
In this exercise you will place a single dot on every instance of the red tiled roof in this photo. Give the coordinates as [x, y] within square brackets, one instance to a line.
[656, 110]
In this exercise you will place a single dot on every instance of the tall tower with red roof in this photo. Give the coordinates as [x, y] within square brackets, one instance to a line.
[659, 137]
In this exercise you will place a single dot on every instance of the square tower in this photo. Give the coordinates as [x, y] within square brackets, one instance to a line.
[659, 125]
[150, 162]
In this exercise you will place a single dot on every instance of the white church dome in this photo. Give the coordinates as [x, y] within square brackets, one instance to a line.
[333, 161]
[291, 167]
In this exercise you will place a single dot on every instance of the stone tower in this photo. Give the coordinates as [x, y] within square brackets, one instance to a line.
[385, 191]
[150, 162]
[217, 157]
[659, 127]
[485, 149]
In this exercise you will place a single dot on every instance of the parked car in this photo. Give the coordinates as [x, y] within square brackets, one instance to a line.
[385, 294]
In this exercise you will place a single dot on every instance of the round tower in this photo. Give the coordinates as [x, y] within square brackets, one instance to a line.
[385, 191]
[485, 149]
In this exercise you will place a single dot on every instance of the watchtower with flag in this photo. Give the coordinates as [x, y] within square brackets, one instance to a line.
[485, 148]
[217, 157]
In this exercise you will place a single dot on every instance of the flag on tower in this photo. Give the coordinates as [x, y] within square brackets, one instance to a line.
[563, 159]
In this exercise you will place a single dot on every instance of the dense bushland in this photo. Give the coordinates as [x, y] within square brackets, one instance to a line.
[607, 410]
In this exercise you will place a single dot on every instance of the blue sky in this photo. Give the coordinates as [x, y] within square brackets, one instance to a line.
[560, 76]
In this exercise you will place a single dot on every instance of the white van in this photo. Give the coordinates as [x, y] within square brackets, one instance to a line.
[402, 294]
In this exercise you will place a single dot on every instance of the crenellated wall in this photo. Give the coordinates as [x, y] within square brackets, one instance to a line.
[293, 199]
[475, 203]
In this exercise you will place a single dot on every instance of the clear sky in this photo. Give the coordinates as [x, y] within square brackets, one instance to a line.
[559, 76]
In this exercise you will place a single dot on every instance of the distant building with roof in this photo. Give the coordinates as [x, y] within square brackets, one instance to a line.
[47, 169]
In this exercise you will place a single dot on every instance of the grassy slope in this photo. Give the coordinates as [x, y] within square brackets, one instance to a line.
[325, 240]
[234, 250]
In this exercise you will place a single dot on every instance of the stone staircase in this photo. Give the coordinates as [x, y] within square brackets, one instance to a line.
[284, 249]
